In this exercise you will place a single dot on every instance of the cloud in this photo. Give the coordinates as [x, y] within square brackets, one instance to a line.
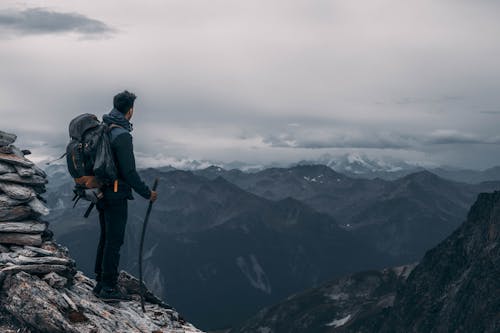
[34, 21]
[446, 136]
[490, 112]
[340, 138]
[321, 138]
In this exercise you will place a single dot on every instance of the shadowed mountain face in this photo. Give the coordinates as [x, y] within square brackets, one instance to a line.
[325, 309]
[455, 288]
[211, 245]
[402, 218]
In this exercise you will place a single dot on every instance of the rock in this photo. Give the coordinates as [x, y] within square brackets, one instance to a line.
[32, 299]
[22, 260]
[24, 171]
[6, 150]
[25, 227]
[55, 280]
[34, 303]
[39, 172]
[39, 189]
[21, 239]
[4, 249]
[38, 206]
[54, 247]
[31, 251]
[16, 151]
[15, 178]
[17, 213]
[35, 269]
[13, 159]
[7, 138]
[18, 192]
[6, 168]
[6, 201]
[132, 286]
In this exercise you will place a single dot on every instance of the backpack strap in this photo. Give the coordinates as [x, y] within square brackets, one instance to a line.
[117, 131]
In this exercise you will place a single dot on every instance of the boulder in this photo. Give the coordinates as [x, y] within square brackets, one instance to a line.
[13, 159]
[7, 138]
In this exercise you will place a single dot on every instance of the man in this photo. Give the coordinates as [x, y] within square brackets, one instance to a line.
[113, 207]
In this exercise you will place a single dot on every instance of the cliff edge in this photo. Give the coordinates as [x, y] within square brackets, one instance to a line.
[40, 289]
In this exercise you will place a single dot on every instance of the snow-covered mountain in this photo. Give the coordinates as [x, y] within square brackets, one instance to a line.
[362, 166]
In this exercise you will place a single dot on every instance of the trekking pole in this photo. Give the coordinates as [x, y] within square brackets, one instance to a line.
[141, 246]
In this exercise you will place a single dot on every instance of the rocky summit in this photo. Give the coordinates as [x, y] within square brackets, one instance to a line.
[40, 288]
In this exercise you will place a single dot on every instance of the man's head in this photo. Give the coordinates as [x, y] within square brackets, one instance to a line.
[124, 102]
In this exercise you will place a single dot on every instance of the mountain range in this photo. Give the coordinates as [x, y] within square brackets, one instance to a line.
[455, 288]
[218, 236]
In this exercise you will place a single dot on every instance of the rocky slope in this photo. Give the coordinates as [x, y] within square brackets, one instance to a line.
[40, 289]
[323, 309]
[455, 288]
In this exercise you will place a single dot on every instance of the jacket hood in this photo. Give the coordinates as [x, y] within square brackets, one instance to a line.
[118, 118]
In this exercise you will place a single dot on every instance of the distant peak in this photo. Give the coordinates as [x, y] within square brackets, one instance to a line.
[215, 168]
[314, 168]
[422, 175]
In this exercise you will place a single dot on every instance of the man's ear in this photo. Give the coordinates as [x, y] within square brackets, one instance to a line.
[129, 114]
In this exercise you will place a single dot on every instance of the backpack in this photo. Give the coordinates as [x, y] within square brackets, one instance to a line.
[89, 158]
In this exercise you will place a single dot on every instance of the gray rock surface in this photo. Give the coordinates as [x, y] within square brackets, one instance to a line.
[7, 138]
[36, 303]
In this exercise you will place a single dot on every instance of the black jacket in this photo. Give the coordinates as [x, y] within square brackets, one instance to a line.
[123, 152]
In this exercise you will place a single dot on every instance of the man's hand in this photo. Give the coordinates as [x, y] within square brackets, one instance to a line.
[154, 196]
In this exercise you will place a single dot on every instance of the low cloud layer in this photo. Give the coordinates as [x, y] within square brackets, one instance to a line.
[34, 21]
[321, 138]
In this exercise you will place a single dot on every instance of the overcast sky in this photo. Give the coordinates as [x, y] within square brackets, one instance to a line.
[260, 81]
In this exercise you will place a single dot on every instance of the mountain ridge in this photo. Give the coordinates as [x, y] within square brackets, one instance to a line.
[454, 288]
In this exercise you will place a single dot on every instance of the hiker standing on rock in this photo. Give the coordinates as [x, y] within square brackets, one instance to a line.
[113, 208]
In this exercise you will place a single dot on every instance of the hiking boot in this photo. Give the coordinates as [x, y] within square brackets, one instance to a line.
[113, 295]
[97, 289]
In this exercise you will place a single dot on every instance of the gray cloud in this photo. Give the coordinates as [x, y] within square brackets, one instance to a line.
[456, 137]
[321, 138]
[490, 112]
[43, 21]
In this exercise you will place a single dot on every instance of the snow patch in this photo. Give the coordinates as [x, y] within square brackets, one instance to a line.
[404, 270]
[254, 273]
[338, 296]
[150, 252]
[339, 322]
[154, 279]
[314, 179]
[264, 330]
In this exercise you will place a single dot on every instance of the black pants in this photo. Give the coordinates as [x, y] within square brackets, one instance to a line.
[113, 220]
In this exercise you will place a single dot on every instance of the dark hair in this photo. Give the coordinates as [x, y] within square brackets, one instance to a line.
[124, 101]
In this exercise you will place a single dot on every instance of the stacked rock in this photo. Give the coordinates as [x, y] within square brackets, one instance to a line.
[25, 240]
